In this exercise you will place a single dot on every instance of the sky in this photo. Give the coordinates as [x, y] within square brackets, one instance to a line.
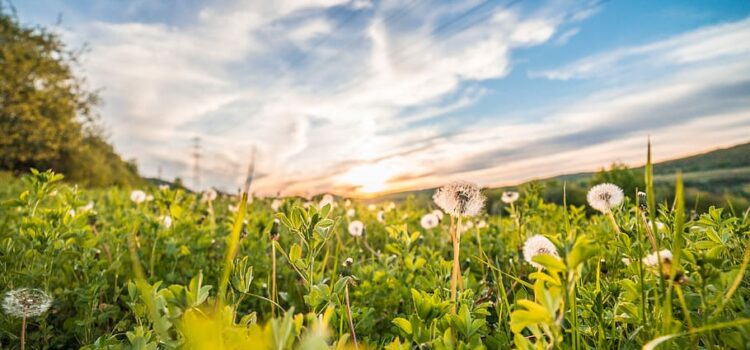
[361, 97]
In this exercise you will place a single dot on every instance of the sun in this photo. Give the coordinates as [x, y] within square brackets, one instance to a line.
[369, 178]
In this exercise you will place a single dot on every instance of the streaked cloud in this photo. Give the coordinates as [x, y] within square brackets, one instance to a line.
[360, 97]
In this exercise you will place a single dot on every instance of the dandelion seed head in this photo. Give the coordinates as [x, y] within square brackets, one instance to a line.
[348, 262]
[460, 199]
[351, 212]
[536, 245]
[604, 197]
[481, 224]
[209, 195]
[652, 260]
[439, 213]
[371, 207]
[327, 199]
[276, 204]
[167, 221]
[429, 221]
[137, 196]
[356, 228]
[381, 216]
[26, 302]
[509, 197]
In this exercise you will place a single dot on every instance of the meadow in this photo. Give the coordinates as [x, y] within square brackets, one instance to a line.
[162, 268]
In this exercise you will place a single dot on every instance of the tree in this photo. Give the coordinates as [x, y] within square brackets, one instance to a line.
[47, 117]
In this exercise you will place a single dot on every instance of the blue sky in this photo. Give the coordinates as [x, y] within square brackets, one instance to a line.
[360, 97]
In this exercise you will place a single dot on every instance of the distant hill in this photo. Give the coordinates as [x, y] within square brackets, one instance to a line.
[712, 178]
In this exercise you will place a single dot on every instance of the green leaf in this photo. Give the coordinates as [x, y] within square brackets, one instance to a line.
[403, 324]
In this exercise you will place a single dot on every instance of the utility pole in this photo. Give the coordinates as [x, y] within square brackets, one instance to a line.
[196, 163]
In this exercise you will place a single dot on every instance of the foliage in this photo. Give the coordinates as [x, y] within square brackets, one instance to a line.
[86, 258]
[47, 115]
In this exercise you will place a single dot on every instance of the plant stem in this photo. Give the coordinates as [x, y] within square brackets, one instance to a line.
[456, 268]
[349, 315]
[273, 280]
[23, 332]
[614, 222]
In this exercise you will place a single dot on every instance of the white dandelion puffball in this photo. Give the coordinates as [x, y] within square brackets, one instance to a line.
[429, 221]
[535, 245]
[381, 216]
[209, 195]
[652, 260]
[438, 213]
[371, 207]
[232, 208]
[509, 197]
[356, 228]
[167, 221]
[390, 206]
[72, 212]
[348, 203]
[327, 199]
[350, 213]
[164, 188]
[149, 198]
[604, 197]
[138, 196]
[459, 199]
[26, 302]
[276, 204]
[481, 224]
[86, 208]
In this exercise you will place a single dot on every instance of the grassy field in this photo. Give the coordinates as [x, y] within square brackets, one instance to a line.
[163, 268]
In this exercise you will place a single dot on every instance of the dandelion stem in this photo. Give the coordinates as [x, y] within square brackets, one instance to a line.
[273, 280]
[614, 222]
[349, 315]
[23, 332]
[456, 268]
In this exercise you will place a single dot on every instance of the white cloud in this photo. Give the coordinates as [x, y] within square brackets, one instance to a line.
[372, 99]
[724, 41]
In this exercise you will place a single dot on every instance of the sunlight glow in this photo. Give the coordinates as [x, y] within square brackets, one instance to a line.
[368, 178]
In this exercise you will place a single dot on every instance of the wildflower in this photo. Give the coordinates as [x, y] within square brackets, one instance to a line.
[72, 212]
[356, 228]
[86, 208]
[276, 204]
[481, 224]
[466, 225]
[381, 216]
[626, 261]
[429, 221]
[350, 213]
[164, 188]
[138, 196]
[604, 197]
[438, 213]
[275, 230]
[537, 245]
[232, 208]
[348, 203]
[652, 260]
[459, 199]
[209, 195]
[327, 199]
[348, 262]
[371, 207]
[149, 198]
[167, 221]
[390, 206]
[509, 197]
[26, 302]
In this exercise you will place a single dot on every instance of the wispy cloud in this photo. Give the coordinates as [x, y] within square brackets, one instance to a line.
[345, 96]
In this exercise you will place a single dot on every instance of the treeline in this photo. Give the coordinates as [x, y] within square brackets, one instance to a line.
[47, 114]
